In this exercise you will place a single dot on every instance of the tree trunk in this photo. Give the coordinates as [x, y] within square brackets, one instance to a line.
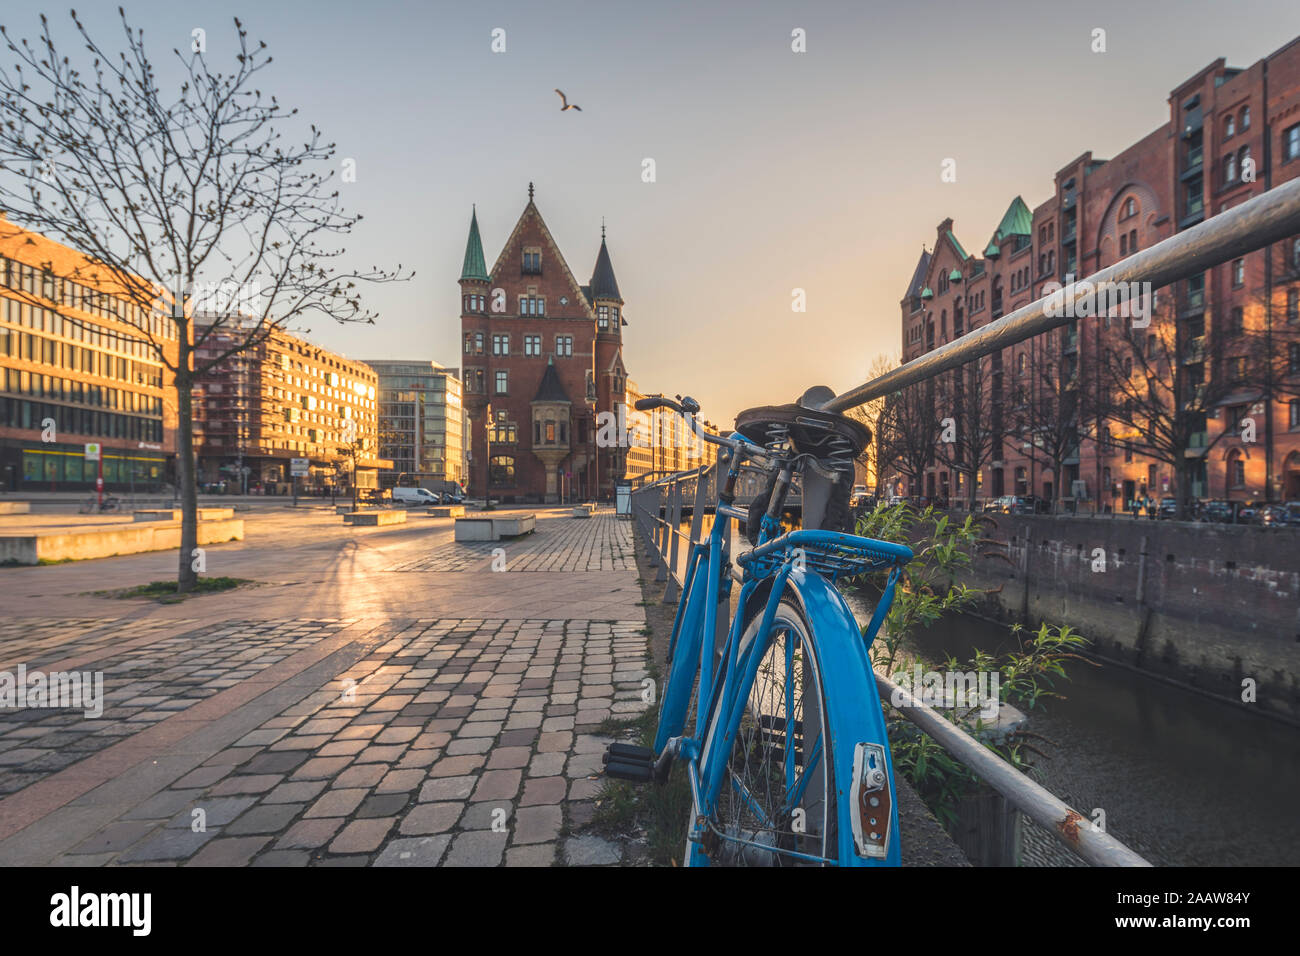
[1056, 488]
[185, 476]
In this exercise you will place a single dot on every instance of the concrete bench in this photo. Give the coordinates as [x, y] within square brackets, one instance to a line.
[447, 511]
[112, 540]
[174, 514]
[374, 517]
[15, 507]
[583, 510]
[495, 527]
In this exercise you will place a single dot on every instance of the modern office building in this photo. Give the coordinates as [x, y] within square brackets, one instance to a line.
[78, 366]
[421, 419]
[279, 399]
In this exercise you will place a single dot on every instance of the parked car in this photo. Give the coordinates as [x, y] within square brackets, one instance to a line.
[1217, 510]
[414, 497]
[1168, 508]
[1272, 516]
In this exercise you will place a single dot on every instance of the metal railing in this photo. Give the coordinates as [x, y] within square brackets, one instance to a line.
[658, 512]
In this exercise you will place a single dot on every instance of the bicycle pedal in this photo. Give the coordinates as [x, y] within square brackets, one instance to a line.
[629, 753]
[637, 772]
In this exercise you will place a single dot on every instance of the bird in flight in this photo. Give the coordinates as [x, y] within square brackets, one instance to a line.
[567, 105]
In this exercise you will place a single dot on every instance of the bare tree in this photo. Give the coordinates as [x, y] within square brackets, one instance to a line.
[1161, 381]
[870, 414]
[908, 431]
[183, 201]
[967, 438]
[1047, 405]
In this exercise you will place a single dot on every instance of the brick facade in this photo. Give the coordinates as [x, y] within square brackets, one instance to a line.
[1100, 212]
[544, 353]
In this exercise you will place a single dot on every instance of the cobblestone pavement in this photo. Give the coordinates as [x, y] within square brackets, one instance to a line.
[599, 543]
[234, 734]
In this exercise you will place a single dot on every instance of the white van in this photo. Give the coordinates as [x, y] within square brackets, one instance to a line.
[414, 496]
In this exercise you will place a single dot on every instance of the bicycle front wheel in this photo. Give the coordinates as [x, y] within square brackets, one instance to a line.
[775, 801]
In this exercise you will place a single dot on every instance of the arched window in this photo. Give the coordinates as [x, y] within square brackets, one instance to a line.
[1236, 469]
[1243, 160]
[1245, 118]
[1230, 168]
[1229, 127]
[1129, 210]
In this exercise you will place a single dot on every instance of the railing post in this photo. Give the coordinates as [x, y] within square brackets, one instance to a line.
[661, 541]
[674, 522]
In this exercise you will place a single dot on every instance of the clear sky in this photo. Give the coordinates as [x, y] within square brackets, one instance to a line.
[775, 169]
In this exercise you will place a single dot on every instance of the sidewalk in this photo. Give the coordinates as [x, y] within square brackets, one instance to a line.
[378, 697]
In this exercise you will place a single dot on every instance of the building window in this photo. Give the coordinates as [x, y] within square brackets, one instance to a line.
[1236, 470]
[1295, 413]
[1123, 244]
[532, 345]
[1132, 241]
[1129, 210]
[501, 471]
[532, 261]
[1245, 118]
[1236, 321]
[478, 343]
[1229, 127]
[602, 317]
[1238, 273]
[1243, 162]
[1237, 369]
[1291, 143]
[1295, 253]
[502, 382]
[564, 346]
[500, 345]
[1230, 169]
[1293, 306]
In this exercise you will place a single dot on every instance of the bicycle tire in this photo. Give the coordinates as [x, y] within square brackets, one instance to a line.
[768, 734]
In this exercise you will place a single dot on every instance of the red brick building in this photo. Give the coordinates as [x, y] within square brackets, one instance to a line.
[543, 354]
[1225, 343]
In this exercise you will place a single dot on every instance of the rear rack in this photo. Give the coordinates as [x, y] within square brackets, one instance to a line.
[829, 553]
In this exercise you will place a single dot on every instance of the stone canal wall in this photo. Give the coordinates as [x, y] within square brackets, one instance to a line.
[1208, 606]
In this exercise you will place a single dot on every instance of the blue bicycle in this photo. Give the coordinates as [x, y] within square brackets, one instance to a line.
[786, 750]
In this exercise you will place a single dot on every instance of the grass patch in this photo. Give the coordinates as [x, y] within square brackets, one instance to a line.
[164, 592]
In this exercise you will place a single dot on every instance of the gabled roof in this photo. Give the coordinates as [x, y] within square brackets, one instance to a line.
[603, 283]
[579, 297]
[956, 245]
[917, 282]
[474, 267]
[550, 389]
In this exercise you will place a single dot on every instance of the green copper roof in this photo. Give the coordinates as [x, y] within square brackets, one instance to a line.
[992, 252]
[927, 293]
[955, 244]
[475, 267]
[1018, 221]
[954, 276]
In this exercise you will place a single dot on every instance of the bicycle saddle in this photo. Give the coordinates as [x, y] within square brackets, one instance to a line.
[832, 438]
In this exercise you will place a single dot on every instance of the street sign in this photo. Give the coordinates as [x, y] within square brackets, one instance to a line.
[298, 467]
[92, 451]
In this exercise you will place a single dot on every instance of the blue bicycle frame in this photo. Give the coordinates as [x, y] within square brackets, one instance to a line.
[803, 565]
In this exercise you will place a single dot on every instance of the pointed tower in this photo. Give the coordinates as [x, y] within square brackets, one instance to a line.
[609, 373]
[474, 282]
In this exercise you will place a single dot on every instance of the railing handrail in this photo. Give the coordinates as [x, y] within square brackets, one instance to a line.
[1269, 217]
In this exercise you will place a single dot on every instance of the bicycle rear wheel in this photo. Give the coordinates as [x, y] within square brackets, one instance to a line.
[776, 802]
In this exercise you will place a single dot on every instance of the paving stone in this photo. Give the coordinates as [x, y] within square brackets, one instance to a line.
[498, 785]
[543, 790]
[162, 806]
[539, 855]
[508, 758]
[295, 791]
[431, 818]
[229, 851]
[447, 788]
[246, 783]
[585, 788]
[362, 836]
[385, 805]
[559, 742]
[169, 844]
[400, 781]
[337, 803]
[361, 775]
[319, 768]
[283, 858]
[476, 848]
[115, 837]
[456, 766]
[265, 819]
[537, 824]
[547, 765]
[591, 850]
[414, 851]
[579, 812]
[217, 811]
[309, 834]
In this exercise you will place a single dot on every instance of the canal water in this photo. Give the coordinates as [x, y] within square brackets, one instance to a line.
[1183, 779]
